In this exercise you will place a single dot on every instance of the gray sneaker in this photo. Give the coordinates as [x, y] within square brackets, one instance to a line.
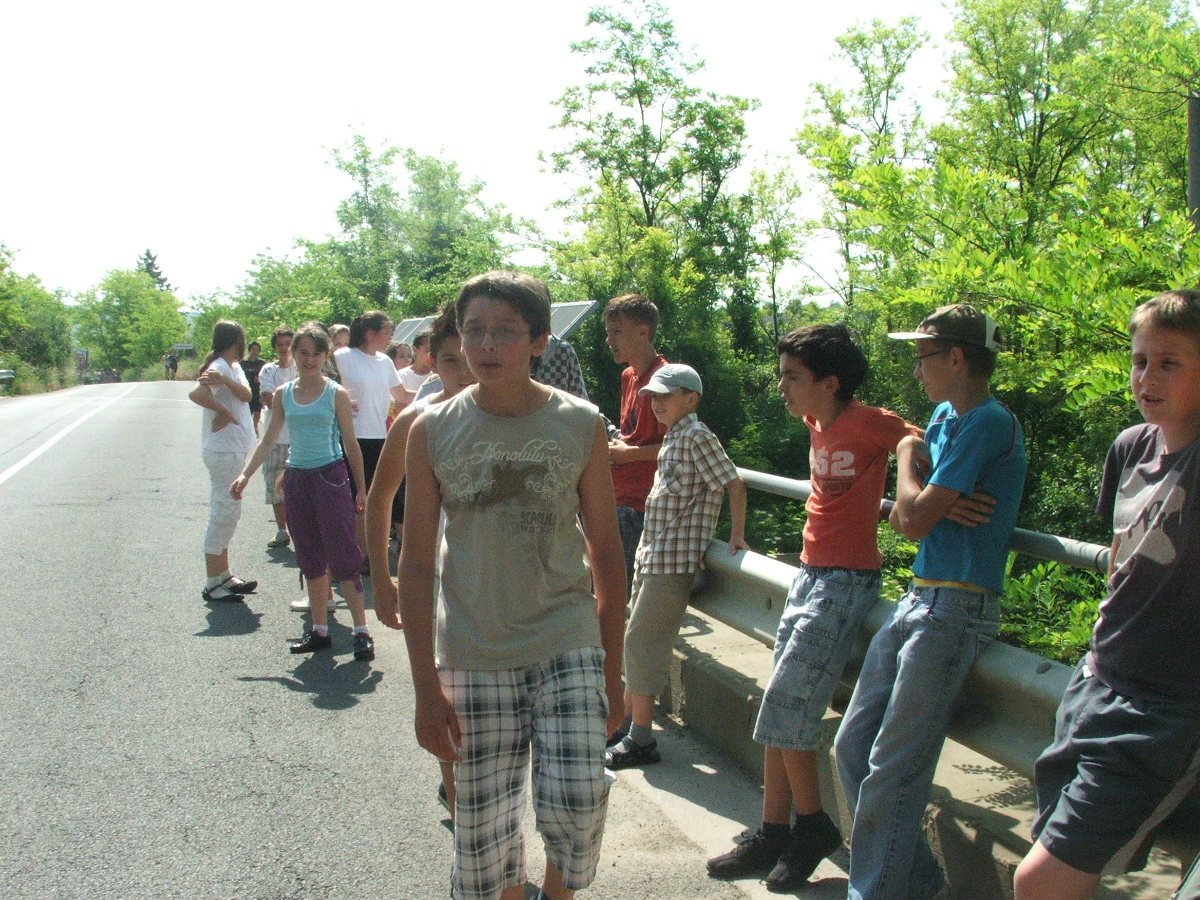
[301, 605]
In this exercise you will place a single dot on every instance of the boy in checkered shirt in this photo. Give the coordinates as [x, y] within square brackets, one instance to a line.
[681, 513]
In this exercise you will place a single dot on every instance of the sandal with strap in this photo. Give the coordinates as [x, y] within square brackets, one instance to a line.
[220, 594]
[235, 584]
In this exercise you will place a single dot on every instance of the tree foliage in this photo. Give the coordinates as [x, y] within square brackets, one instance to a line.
[35, 326]
[149, 264]
[658, 214]
[404, 246]
[128, 322]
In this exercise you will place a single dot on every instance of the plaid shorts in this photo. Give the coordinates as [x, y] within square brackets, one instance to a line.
[556, 712]
[273, 467]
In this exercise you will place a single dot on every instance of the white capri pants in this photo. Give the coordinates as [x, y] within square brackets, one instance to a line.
[223, 511]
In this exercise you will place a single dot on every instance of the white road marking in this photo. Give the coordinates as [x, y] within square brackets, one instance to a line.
[18, 466]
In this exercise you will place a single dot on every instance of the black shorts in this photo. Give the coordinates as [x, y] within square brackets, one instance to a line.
[371, 448]
[1118, 766]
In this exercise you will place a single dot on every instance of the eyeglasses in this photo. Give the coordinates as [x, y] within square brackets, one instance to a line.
[501, 337]
[921, 356]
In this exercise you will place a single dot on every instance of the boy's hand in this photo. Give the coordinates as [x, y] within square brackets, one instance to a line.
[221, 418]
[239, 485]
[385, 598]
[436, 726]
[915, 452]
[736, 544]
[617, 451]
[971, 511]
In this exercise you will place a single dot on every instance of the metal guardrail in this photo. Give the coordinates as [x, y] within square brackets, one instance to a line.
[1007, 706]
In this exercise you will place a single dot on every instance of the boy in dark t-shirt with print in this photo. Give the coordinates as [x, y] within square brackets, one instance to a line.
[1128, 727]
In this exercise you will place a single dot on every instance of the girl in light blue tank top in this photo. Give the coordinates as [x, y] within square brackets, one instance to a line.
[316, 439]
[318, 505]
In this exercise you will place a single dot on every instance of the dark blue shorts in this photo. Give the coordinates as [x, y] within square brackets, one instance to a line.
[1118, 766]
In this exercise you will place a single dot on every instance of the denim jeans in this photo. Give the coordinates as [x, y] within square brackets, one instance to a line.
[892, 734]
[629, 523]
[817, 630]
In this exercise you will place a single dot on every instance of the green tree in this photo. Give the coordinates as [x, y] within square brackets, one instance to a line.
[778, 233]
[364, 254]
[401, 248]
[12, 319]
[1046, 197]
[127, 321]
[446, 233]
[658, 213]
[35, 326]
[149, 264]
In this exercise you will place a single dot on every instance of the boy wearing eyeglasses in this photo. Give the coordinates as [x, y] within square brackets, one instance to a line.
[525, 679]
[892, 734]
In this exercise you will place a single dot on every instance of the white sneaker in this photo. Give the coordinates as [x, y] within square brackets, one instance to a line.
[301, 605]
[282, 539]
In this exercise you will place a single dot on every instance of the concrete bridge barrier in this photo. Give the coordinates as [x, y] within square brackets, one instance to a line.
[983, 801]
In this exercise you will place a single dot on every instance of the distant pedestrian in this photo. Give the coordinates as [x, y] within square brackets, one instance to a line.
[226, 436]
[252, 365]
[320, 508]
[339, 335]
[170, 365]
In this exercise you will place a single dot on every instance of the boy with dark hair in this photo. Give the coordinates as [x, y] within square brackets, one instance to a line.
[1128, 727]
[681, 513]
[892, 734]
[252, 365]
[528, 654]
[273, 376]
[820, 368]
[630, 322]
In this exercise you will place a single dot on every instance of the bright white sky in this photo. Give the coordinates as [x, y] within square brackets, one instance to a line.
[203, 131]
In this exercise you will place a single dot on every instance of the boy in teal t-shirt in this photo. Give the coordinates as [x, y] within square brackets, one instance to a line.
[892, 734]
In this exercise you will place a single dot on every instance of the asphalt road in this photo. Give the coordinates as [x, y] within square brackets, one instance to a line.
[152, 745]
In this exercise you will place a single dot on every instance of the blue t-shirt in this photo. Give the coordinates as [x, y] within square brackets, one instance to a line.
[984, 449]
[313, 427]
